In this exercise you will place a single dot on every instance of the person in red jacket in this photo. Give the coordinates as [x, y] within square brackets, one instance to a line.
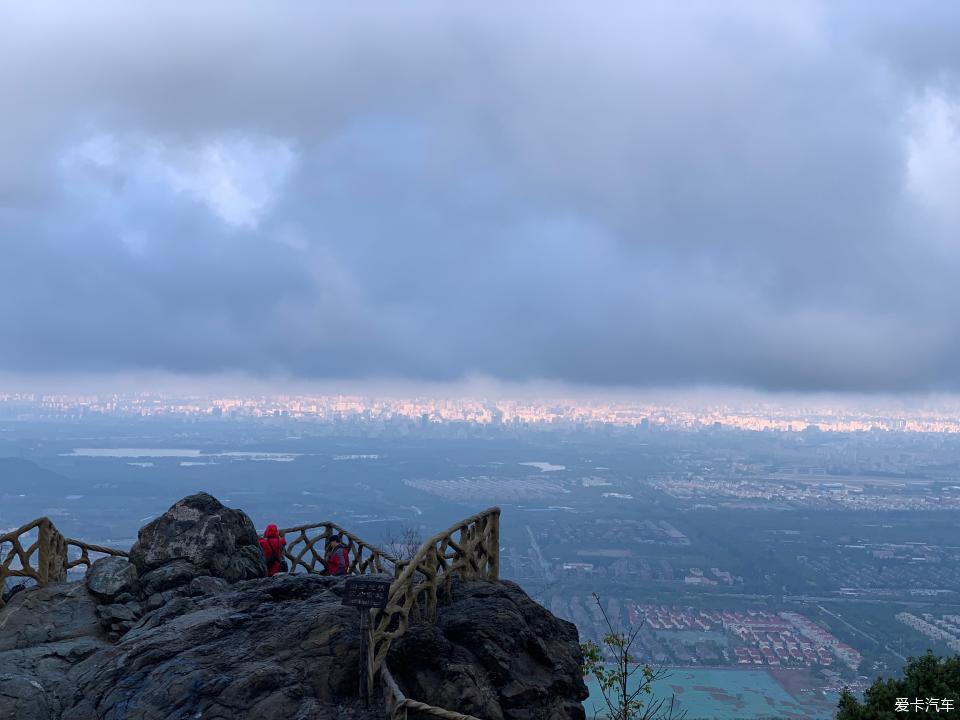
[338, 557]
[272, 544]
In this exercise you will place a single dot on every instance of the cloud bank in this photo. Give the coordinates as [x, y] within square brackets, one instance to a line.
[758, 195]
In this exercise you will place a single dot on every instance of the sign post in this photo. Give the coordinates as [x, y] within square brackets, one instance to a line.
[365, 593]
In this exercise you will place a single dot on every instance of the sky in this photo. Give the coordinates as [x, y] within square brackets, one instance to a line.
[748, 195]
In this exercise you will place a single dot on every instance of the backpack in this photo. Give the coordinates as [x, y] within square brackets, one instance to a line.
[344, 568]
[277, 555]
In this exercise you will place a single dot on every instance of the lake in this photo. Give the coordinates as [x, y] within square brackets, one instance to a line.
[136, 453]
[709, 694]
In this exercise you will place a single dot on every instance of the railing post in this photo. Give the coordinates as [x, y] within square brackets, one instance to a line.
[494, 550]
[52, 550]
[4, 571]
[43, 540]
[371, 648]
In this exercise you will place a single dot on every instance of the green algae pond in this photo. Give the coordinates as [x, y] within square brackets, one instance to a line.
[729, 694]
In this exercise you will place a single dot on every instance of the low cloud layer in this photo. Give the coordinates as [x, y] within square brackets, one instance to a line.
[754, 194]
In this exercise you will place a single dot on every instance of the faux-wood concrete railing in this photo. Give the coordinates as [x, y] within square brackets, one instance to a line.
[470, 549]
[46, 558]
[302, 552]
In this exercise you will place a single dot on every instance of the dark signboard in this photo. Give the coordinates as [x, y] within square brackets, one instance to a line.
[366, 592]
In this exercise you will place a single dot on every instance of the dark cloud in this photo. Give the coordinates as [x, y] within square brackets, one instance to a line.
[754, 194]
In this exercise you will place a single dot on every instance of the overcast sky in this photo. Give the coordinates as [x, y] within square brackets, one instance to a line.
[763, 195]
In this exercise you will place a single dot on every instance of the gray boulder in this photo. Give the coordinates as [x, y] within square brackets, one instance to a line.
[109, 577]
[202, 531]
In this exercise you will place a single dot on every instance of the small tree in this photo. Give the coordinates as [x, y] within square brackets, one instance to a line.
[403, 543]
[616, 677]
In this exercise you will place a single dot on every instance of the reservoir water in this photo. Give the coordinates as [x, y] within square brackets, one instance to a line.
[718, 694]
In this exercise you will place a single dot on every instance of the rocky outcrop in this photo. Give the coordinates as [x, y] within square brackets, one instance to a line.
[203, 532]
[280, 648]
[176, 639]
[196, 547]
[494, 653]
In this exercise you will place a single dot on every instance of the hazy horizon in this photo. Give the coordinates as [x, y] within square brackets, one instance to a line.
[700, 399]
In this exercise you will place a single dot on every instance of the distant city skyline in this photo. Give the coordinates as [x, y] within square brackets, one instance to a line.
[758, 414]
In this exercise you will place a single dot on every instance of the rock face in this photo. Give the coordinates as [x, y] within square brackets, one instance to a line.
[176, 639]
[494, 653]
[280, 648]
[44, 633]
[203, 532]
[275, 648]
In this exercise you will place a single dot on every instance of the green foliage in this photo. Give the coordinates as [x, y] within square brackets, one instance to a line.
[616, 677]
[925, 678]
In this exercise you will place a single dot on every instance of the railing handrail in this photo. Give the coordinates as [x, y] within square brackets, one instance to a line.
[19, 553]
[311, 526]
[86, 549]
[479, 535]
[342, 531]
[90, 547]
[356, 547]
[412, 566]
[397, 703]
[10, 535]
[50, 549]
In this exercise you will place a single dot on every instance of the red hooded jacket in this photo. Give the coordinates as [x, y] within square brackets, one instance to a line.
[338, 562]
[272, 545]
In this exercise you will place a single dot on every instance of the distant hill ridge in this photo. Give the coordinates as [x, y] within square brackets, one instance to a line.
[22, 473]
